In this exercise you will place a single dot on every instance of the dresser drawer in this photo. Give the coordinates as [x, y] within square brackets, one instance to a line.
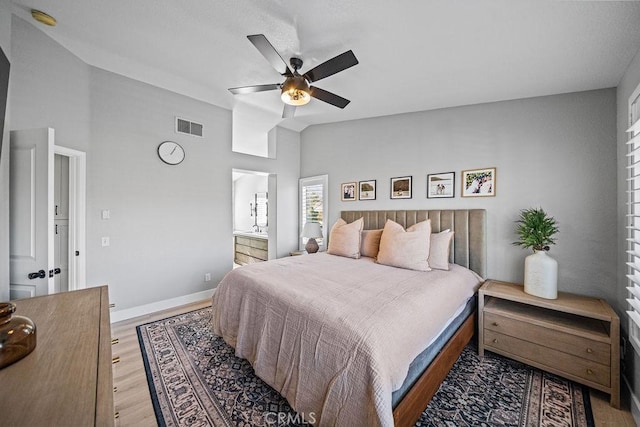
[259, 254]
[567, 343]
[254, 243]
[243, 259]
[547, 358]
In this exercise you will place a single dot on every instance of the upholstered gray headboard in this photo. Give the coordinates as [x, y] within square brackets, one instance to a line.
[469, 247]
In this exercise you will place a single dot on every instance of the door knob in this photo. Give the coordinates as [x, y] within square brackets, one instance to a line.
[37, 275]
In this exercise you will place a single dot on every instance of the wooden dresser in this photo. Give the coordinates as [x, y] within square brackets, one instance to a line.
[574, 336]
[67, 379]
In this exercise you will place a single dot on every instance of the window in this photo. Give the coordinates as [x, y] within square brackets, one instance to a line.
[633, 221]
[314, 205]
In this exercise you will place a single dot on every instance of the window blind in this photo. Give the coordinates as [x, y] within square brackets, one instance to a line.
[633, 220]
[313, 202]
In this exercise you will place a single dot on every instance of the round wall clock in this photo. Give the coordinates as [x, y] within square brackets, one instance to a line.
[171, 152]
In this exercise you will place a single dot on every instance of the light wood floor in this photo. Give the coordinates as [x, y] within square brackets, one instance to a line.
[133, 403]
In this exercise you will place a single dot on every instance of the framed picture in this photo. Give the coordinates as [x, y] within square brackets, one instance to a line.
[349, 191]
[367, 190]
[479, 182]
[440, 185]
[401, 187]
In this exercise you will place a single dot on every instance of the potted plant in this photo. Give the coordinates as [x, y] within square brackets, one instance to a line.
[536, 230]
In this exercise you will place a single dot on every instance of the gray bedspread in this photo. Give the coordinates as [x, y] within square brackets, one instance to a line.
[335, 336]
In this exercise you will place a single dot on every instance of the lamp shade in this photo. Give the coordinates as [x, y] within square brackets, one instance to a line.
[312, 230]
[295, 91]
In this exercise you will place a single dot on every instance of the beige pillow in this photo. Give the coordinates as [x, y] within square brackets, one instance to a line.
[405, 249]
[370, 243]
[344, 239]
[440, 248]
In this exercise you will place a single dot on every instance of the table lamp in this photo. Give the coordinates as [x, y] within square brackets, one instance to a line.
[311, 231]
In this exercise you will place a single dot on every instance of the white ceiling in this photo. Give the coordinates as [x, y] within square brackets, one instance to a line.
[414, 55]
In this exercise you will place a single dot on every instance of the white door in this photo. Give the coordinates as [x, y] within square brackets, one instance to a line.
[31, 213]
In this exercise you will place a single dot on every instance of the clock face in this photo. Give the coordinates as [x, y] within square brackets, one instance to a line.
[171, 152]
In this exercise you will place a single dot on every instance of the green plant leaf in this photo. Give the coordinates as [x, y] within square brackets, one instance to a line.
[536, 229]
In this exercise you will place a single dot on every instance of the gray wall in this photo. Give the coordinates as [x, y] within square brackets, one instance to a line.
[49, 86]
[5, 44]
[557, 152]
[628, 83]
[169, 224]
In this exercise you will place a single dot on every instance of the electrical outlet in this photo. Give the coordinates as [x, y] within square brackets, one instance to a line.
[105, 242]
[207, 277]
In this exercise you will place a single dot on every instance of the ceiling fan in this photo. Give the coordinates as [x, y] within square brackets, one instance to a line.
[296, 90]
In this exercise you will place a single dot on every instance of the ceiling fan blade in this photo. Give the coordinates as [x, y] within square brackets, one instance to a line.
[252, 89]
[270, 53]
[328, 97]
[289, 111]
[332, 66]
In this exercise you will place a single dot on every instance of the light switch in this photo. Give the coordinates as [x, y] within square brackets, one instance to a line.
[106, 214]
[105, 241]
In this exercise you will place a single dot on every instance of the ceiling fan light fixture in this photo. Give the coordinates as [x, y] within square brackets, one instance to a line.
[295, 91]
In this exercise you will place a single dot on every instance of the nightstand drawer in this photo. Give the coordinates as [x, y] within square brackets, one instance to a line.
[547, 358]
[567, 343]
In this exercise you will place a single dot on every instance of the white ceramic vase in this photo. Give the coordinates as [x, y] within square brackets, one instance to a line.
[541, 275]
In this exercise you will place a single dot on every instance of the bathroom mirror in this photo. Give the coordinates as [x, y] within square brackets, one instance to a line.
[261, 209]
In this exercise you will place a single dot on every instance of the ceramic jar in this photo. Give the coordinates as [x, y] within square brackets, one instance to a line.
[541, 275]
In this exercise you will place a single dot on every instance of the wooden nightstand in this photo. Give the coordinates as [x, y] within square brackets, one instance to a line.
[574, 336]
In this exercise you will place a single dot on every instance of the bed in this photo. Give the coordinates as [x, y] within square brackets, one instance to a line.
[330, 333]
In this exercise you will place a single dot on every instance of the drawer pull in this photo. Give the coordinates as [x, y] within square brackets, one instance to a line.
[495, 323]
[112, 305]
[116, 415]
[115, 341]
[589, 350]
[115, 360]
[115, 389]
[589, 371]
[495, 340]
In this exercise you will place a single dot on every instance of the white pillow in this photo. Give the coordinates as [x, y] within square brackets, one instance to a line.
[344, 239]
[440, 248]
[370, 243]
[405, 249]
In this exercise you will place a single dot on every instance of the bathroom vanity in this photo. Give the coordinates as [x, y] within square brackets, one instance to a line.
[250, 247]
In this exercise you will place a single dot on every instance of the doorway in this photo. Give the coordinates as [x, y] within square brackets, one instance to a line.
[69, 219]
[37, 254]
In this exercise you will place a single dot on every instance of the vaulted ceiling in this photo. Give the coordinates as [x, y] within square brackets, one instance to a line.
[414, 55]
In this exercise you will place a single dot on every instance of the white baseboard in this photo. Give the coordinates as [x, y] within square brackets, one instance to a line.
[142, 310]
[634, 402]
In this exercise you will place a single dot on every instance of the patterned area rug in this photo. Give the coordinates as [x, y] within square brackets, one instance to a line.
[196, 380]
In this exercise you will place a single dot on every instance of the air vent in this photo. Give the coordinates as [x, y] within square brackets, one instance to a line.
[188, 127]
